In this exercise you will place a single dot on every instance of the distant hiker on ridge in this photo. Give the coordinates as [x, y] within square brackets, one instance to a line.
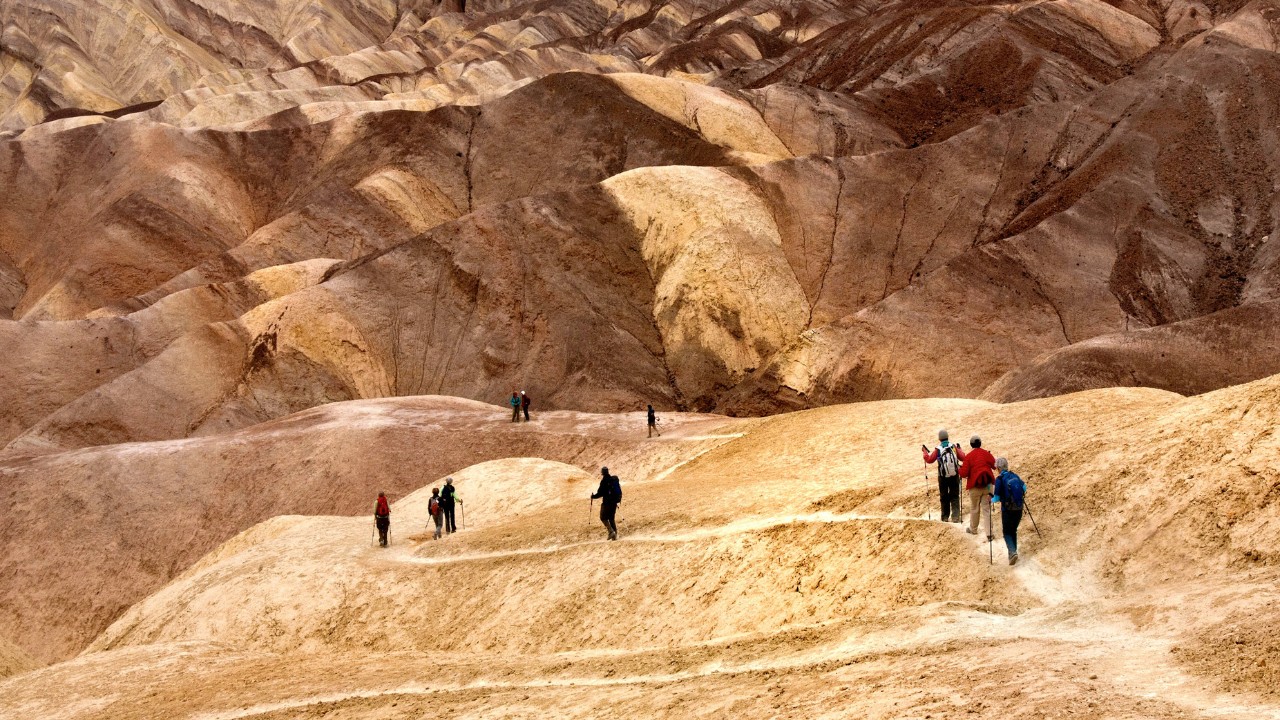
[515, 406]
[610, 493]
[524, 404]
[435, 511]
[1010, 492]
[948, 457]
[382, 518]
[976, 469]
[653, 423]
[449, 496]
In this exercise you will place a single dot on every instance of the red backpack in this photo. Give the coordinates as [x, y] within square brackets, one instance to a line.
[433, 507]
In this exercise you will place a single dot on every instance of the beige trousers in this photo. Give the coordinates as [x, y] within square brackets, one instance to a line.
[980, 502]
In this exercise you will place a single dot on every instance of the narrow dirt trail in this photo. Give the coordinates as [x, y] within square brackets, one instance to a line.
[403, 555]
[1071, 613]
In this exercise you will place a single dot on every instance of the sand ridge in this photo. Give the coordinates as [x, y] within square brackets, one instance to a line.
[771, 572]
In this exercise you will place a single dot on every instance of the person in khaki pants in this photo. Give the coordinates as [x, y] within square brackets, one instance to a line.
[977, 469]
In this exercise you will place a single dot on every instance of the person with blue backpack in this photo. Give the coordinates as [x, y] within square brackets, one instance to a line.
[1011, 493]
[948, 457]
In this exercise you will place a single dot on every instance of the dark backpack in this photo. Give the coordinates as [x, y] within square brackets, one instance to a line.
[613, 492]
[948, 466]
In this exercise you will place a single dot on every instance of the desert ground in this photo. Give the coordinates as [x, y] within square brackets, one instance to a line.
[262, 260]
[781, 566]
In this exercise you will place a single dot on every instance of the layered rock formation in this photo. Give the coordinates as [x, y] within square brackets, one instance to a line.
[743, 207]
[221, 216]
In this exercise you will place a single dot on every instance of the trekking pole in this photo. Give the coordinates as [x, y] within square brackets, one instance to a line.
[928, 511]
[591, 513]
[991, 532]
[1033, 519]
[462, 514]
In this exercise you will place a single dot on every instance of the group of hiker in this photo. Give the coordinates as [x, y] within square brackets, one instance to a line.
[441, 507]
[442, 504]
[519, 401]
[988, 482]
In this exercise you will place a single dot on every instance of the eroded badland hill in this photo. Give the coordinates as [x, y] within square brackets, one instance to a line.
[260, 260]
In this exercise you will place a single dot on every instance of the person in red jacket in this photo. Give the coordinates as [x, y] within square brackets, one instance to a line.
[382, 518]
[978, 471]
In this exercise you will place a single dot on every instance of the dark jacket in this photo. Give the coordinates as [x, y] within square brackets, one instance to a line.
[653, 418]
[610, 490]
[447, 496]
[524, 401]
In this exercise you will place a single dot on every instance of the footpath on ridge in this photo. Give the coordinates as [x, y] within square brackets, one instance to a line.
[781, 566]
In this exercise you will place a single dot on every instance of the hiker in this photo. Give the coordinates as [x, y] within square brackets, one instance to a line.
[948, 457]
[653, 423]
[524, 404]
[610, 494]
[434, 510]
[382, 518]
[448, 497]
[515, 406]
[1010, 492]
[976, 468]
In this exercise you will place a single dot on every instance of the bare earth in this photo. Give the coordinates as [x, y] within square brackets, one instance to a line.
[780, 566]
[262, 259]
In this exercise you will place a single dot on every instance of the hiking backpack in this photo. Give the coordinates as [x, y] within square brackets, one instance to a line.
[1014, 489]
[433, 507]
[948, 467]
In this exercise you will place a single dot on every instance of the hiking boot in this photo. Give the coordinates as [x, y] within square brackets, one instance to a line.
[970, 531]
[1013, 559]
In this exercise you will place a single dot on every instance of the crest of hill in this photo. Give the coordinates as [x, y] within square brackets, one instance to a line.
[768, 206]
[1130, 519]
[144, 512]
[795, 548]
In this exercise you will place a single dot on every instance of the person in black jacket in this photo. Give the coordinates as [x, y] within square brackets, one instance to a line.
[610, 494]
[448, 496]
[653, 422]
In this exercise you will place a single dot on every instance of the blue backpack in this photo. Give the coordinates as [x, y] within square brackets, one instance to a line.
[1015, 491]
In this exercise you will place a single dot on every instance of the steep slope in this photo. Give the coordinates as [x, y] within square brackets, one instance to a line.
[789, 284]
[762, 574]
[924, 200]
[13, 660]
[142, 513]
[84, 56]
